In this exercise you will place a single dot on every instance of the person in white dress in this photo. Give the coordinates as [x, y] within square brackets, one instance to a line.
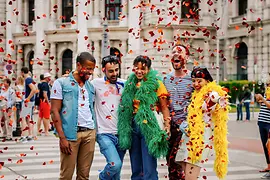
[205, 128]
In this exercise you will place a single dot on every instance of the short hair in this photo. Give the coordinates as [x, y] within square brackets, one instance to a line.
[25, 70]
[181, 45]
[110, 59]
[7, 80]
[41, 77]
[85, 56]
[143, 59]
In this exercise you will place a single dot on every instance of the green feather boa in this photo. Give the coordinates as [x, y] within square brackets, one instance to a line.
[155, 138]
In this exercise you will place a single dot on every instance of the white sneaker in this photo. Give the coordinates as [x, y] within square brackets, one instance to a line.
[23, 140]
[266, 176]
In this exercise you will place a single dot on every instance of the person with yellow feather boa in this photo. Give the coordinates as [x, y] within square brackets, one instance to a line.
[205, 128]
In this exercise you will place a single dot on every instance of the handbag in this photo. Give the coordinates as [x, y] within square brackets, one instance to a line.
[160, 120]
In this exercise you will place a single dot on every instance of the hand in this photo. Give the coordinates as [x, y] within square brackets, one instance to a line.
[258, 97]
[1, 97]
[65, 146]
[26, 100]
[168, 130]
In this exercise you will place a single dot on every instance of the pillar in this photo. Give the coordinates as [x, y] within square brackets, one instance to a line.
[124, 21]
[19, 18]
[53, 16]
[52, 59]
[19, 59]
[74, 54]
[97, 72]
[96, 18]
[82, 26]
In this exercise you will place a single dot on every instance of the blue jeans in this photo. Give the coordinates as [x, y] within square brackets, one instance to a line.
[143, 165]
[246, 104]
[239, 112]
[264, 131]
[108, 144]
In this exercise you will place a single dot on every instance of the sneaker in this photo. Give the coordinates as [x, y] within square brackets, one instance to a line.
[23, 140]
[266, 176]
[29, 139]
[8, 139]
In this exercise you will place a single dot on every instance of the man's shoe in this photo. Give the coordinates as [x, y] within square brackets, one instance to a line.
[23, 140]
[9, 139]
[29, 139]
[266, 176]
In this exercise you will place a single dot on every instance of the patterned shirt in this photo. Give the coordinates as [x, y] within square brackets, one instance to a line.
[180, 90]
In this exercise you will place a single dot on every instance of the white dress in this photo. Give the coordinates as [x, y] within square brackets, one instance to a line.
[182, 154]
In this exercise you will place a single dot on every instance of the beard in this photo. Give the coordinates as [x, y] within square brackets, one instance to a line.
[84, 76]
[112, 79]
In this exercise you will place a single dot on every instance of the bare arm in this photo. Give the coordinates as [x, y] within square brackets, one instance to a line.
[45, 96]
[56, 106]
[266, 103]
[33, 91]
[166, 114]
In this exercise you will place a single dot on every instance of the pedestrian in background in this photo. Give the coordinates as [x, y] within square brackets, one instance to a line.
[7, 101]
[108, 94]
[179, 86]
[264, 127]
[239, 106]
[19, 90]
[27, 106]
[72, 102]
[246, 101]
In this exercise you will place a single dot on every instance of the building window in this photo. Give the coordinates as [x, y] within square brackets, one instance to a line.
[31, 11]
[67, 61]
[190, 9]
[242, 7]
[67, 10]
[112, 9]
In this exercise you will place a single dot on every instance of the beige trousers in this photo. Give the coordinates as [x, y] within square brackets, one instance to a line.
[6, 122]
[82, 156]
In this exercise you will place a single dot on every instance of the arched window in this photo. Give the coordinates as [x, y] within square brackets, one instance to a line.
[190, 9]
[112, 9]
[242, 7]
[67, 61]
[31, 11]
[67, 10]
[242, 62]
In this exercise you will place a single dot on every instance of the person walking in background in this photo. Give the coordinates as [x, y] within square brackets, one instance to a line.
[144, 96]
[37, 103]
[72, 106]
[179, 86]
[264, 127]
[108, 93]
[239, 106]
[27, 106]
[19, 90]
[45, 106]
[246, 100]
[7, 101]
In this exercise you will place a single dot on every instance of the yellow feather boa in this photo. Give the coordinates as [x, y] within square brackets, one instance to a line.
[196, 127]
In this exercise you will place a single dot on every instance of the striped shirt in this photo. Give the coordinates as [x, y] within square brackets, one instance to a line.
[264, 114]
[180, 90]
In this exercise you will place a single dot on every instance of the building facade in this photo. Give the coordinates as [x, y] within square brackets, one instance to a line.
[48, 35]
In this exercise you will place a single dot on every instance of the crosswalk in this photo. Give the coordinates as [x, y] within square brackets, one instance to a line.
[40, 160]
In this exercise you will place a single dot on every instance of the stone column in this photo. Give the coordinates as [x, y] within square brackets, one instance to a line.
[19, 59]
[123, 50]
[59, 11]
[96, 18]
[40, 40]
[133, 22]
[265, 58]
[53, 18]
[19, 18]
[97, 53]
[205, 15]
[252, 69]
[124, 22]
[26, 16]
[74, 54]
[75, 14]
[52, 61]
[82, 26]
[206, 59]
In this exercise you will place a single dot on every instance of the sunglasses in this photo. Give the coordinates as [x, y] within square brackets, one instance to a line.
[110, 58]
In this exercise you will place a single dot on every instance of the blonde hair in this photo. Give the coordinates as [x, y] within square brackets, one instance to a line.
[20, 80]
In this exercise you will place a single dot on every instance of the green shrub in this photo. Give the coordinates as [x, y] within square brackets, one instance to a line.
[235, 87]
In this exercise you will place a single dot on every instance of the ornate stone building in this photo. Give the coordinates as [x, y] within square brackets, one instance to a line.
[48, 35]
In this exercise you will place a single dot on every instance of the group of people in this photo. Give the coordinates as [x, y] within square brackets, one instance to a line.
[182, 117]
[244, 98]
[18, 104]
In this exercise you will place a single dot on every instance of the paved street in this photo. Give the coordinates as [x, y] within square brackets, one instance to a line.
[40, 159]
